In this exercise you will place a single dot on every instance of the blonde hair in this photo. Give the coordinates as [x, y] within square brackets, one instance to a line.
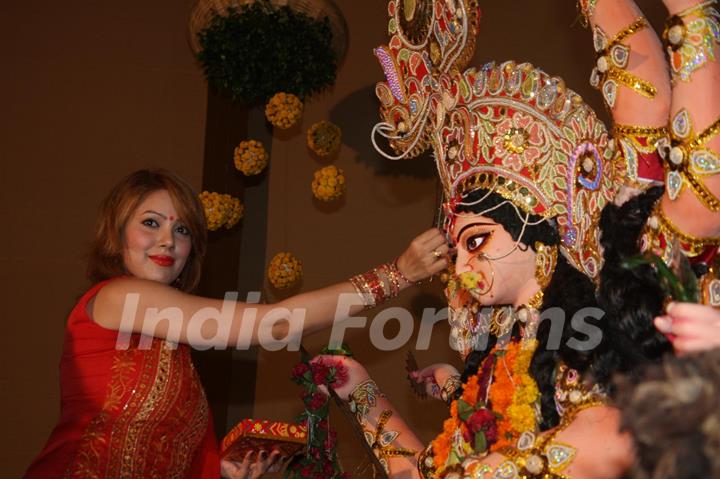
[106, 254]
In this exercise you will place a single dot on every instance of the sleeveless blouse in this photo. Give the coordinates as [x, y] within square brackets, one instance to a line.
[132, 406]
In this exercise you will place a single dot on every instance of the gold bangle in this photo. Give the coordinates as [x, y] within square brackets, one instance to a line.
[692, 245]
[612, 59]
[632, 130]
[626, 78]
[688, 160]
[661, 236]
[639, 24]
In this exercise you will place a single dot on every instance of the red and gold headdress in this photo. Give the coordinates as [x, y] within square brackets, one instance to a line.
[509, 128]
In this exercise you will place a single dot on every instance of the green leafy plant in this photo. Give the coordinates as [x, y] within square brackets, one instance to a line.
[259, 50]
[678, 283]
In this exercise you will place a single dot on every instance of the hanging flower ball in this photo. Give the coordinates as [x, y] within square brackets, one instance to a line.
[283, 110]
[235, 211]
[324, 138]
[215, 209]
[220, 210]
[285, 270]
[250, 157]
[328, 183]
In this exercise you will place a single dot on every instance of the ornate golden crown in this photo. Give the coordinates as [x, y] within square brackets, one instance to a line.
[508, 127]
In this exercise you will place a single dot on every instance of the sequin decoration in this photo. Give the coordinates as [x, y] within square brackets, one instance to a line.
[691, 44]
[611, 60]
[390, 70]
[681, 124]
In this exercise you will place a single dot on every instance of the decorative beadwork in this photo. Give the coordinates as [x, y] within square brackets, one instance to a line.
[688, 160]
[691, 43]
[612, 60]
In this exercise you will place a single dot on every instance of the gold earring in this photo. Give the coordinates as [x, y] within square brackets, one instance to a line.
[545, 261]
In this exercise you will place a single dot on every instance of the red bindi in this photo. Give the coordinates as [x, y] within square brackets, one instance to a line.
[172, 218]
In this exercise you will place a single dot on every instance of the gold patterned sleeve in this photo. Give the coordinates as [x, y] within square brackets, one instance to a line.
[630, 70]
[692, 41]
[632, 74]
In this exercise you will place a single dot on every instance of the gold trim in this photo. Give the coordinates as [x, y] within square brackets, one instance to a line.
[692, 245]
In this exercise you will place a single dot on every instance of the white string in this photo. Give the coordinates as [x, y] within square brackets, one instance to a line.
[380, 128]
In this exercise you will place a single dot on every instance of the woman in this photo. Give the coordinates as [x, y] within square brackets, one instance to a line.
[132, 404]
[544, 209]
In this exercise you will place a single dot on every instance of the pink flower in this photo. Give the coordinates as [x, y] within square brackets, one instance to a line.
[480, 420]
[299, 370]
[317, 401]
[341, 376]
[320, 371]
[307, 471]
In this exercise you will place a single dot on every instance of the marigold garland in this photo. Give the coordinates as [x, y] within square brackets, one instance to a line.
[283, 110]
[328, 183]
[501, 393]
[509, 409]
[324, 138]
[285, 270]
[221, 210]
[250, 157]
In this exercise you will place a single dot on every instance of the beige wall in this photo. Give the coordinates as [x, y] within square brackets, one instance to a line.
[89, 91]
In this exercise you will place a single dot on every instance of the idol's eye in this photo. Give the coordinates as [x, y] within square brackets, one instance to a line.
[150, 222]
[475, 241]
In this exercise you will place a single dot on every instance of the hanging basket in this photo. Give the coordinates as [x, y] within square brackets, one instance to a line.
[204, 10]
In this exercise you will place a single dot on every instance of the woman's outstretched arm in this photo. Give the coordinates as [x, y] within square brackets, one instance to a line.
[154, 309]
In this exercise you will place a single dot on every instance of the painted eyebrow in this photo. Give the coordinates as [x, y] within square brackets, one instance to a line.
[155, 213]
[470, 226]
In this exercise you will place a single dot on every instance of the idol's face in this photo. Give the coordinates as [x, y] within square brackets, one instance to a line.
[156, 242]
[502, 269]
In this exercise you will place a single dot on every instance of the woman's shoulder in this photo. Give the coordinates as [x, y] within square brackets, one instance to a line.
[82, 311]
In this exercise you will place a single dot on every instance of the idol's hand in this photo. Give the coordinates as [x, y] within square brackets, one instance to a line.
[438, 379]
[249, 468]
[349, 373]
[690, 327]
[426, 256]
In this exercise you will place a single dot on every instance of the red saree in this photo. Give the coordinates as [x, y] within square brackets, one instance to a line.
[138, 412]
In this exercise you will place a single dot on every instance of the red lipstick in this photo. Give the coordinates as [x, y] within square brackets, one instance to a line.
[162, 260]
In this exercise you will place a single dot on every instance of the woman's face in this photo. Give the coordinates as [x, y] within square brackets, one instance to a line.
[156, 242]
[506, 270]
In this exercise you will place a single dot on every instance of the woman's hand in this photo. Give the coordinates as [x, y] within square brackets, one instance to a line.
[426, 256]
[690, 327]
[249, 469]
[435, 378]
[350, 373]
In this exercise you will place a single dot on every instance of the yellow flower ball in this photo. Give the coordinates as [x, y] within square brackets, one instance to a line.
[235, 211]
[221, 210]
[328, 183]
[283, 110]
[285, 270]
[215, 209]
[324, 138]
[250, 157]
